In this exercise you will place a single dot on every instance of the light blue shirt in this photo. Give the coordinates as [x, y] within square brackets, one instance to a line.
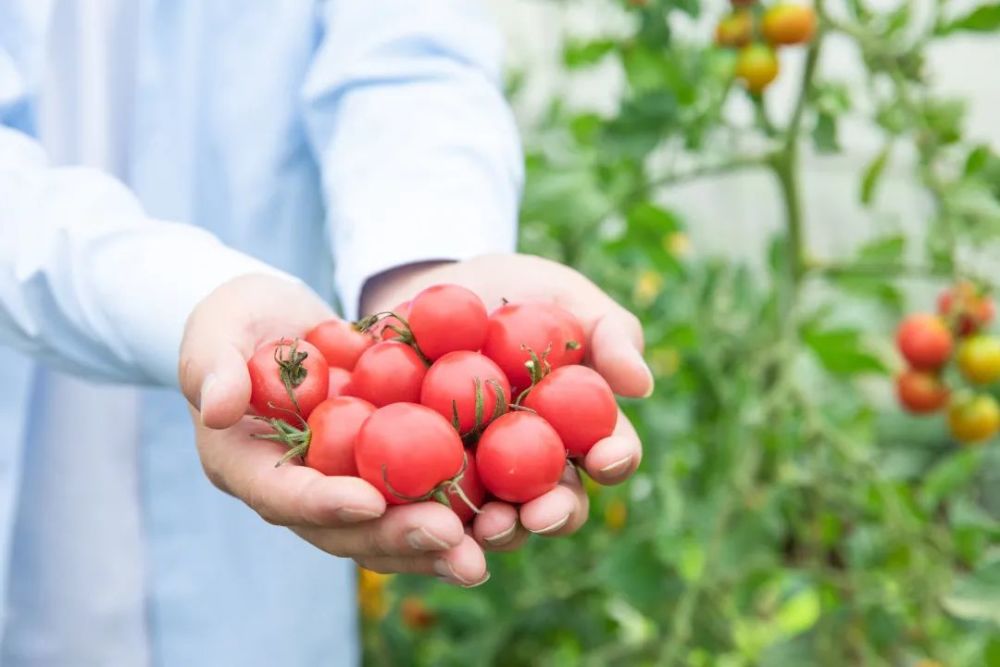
[325, 140]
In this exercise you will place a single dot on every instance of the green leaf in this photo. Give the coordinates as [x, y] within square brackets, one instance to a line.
[842, 352]
[949, 475]
[799, 613]
[884, 250]
[824, 134]
[976, 596]
[578, 54]
[985, 18]
[977, 160]
[872, 176]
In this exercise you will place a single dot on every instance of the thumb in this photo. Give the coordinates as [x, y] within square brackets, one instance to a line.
[215, 380]
[616, 353]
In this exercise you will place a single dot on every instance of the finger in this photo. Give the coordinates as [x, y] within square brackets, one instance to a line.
[497, 528]
[404, 530]
[561, 511]
[464, 564]
[289, 495]
[616, 346]
[614, 459]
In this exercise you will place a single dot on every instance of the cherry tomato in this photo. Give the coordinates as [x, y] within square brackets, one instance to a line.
[924, 341]
[734, 30]
[446, 318]
[388, 372]
[333, 428]
[383, 331]
[340, 342]
[450, 386]
[572, 351]
[965, 305]
[974, 418]
[473, 489]
[787, 24]
[979, 359]
[407, 451]
[920, 392]
[520, 457]
[415, 614]
[757, 66]
[578, 403]
[339, 381]
[517, 329]
[282, 364]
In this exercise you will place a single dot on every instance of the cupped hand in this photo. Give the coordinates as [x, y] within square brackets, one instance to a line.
[614, 349]
[344, 516]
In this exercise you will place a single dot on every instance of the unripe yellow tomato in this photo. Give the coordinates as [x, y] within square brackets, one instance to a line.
[734, 30]
[979, 359]
[974, 418]
[757, 66]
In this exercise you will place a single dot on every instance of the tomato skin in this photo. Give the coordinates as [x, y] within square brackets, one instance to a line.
[757, 65]
[974, 419]
[381, 330]
[473, 489]
[787, 24]
[269, 397]
[573, 350]
[340, 342]
[388, 372]
[920, 392]
[979, 359]
[578, 403]
[966, 306]
[447, 318]
[453, 378]
[333, 429]
[412, 447]
[339, 381]
[734, 30]
[924, 341]
[515, 326]
[520, 457]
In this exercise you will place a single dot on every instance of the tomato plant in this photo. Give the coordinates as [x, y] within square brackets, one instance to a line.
[921, 392]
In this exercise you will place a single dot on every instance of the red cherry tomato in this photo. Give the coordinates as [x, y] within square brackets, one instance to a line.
[382, 331]
[446, 318]
[282, 364]
[514, 329]
[450, 385]
[407, 451]
[340, 342]
[578, 403]
[920, 392]
[339, 379]
[924, 341]
[388, 372]
[520, 457]
[473, 489]
[967, 307]
[574, 335]
[333, 428]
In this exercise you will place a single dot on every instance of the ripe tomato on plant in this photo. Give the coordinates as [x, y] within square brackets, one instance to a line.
[408, 451]
[520, 457]
[921, 392]
[578, 403]
[968, 307]
[735, 29]
[979, 359]
[787, 24]
[757, 66]
[452, 383]
[415, 614]
[447, 318]
[333, 429]
[340, 342]
[517, 330]
[974, 418]
[472, 488]
[924, 341]
[388, 372]
[287, 377]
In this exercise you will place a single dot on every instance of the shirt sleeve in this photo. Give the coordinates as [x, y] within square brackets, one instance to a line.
[419, 153]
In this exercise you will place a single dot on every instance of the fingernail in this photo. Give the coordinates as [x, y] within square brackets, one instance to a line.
[618, 467]
[443, 569]
[422, 540]
[356, 514]
[652, 380]
[206, 390]
[501, 538]
[482, 581]
[551, 528]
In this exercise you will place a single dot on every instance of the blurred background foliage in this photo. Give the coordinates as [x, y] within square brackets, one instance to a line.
[786, 511]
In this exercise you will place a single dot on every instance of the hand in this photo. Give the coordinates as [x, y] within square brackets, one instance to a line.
[614, 349]
[344, 516]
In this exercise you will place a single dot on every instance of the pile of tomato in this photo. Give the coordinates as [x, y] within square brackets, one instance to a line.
[931, 342]
[757, 31]
[438, 399]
